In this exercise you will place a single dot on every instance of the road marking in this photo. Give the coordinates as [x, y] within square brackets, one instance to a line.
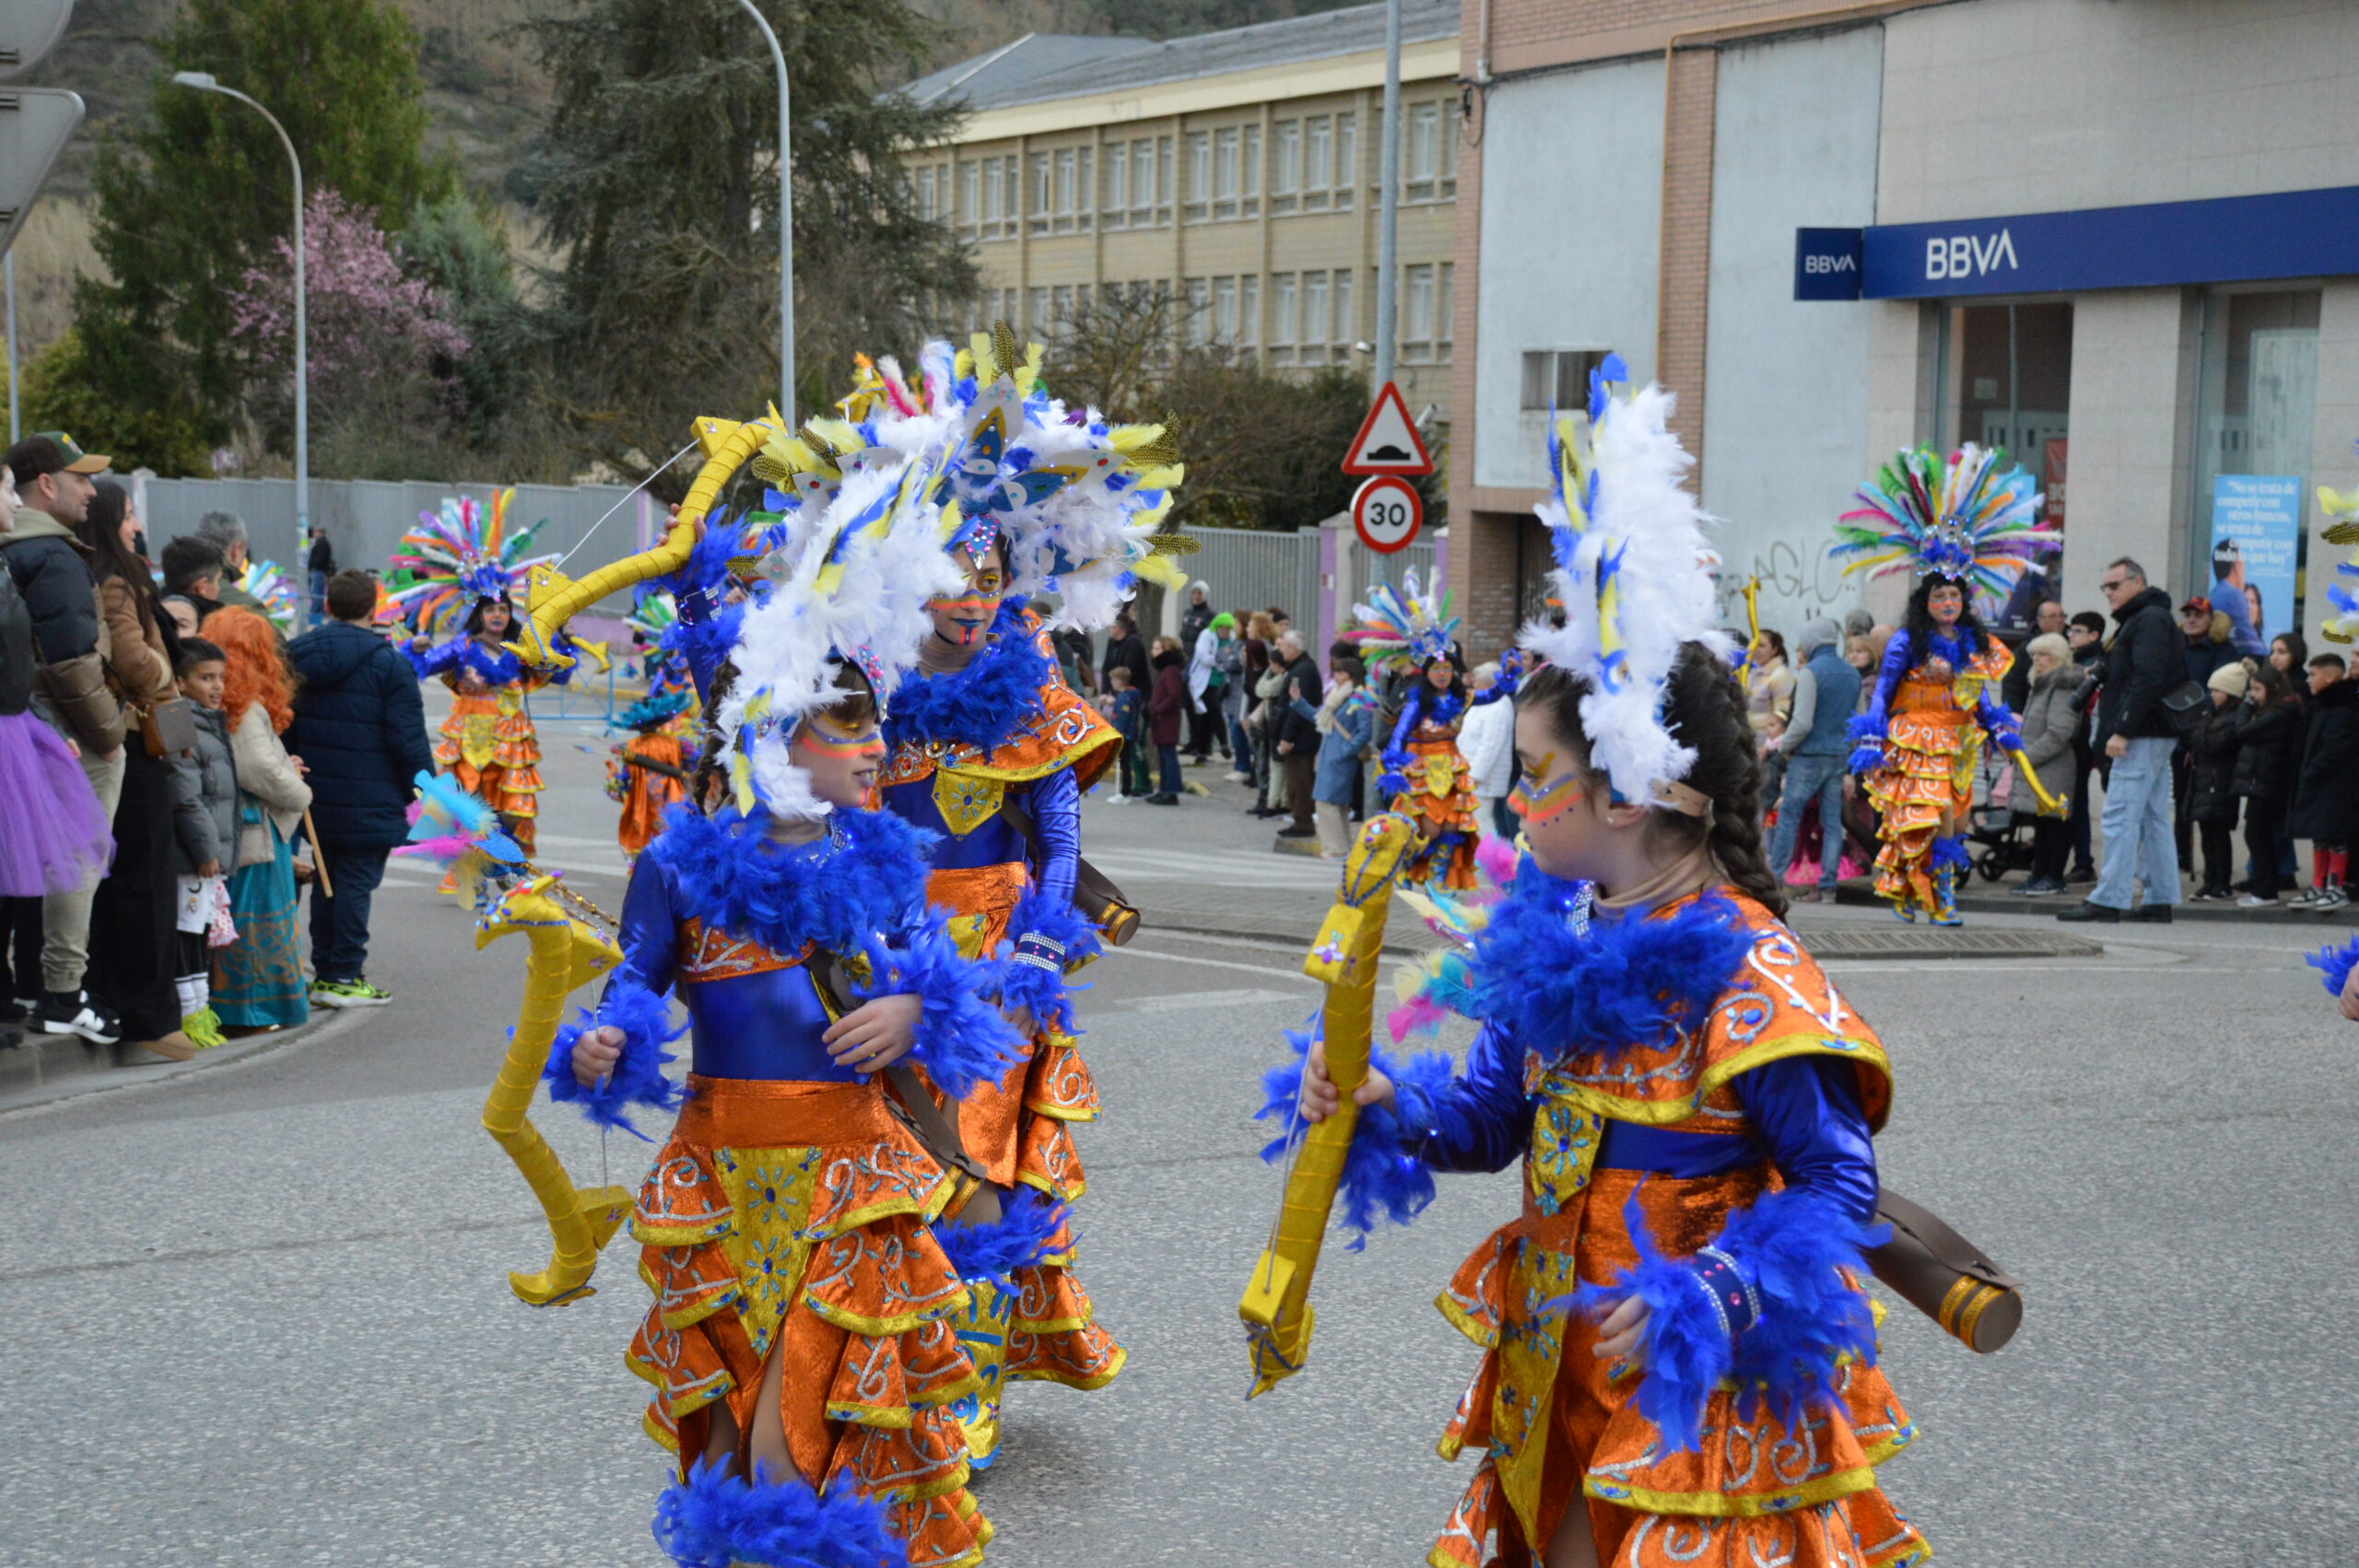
[1294, 974]
[1181, 1001]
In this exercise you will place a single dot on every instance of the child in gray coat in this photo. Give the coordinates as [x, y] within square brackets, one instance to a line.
[204, 839]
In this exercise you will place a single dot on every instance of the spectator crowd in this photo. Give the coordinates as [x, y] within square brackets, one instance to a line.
[183, 777]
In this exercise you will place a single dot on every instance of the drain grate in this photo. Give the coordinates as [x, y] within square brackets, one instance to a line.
[1948, 942]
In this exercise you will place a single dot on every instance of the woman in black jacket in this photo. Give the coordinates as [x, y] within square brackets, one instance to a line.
[2268, 745]
[2326, 791]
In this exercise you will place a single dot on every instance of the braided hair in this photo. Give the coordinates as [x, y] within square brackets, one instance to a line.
[1705, 708]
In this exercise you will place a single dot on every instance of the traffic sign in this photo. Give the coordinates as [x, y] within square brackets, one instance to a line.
[1386, 512]
[1387, 441]
[29, 30]
[35, 126]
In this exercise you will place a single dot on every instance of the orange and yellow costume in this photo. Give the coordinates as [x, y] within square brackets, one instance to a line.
[487, 740]
[1921, 780]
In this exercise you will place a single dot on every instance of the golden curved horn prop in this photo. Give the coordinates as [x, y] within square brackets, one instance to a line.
[552, 598]
[1345, 957]
[565, 953]
[2030, 775]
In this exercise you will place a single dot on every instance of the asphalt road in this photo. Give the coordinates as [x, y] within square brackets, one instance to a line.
[260, 1314]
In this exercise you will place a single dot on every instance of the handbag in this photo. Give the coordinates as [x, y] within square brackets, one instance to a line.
[2186, 705]
[1093, 893]
[169, 728]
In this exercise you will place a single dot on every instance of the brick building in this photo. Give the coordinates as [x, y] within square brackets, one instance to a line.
[2118, 240]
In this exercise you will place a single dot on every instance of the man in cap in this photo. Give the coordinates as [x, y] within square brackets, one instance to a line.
[50, 568]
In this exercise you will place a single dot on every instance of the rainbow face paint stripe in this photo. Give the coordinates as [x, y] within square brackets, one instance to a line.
[868, 744]
[1548, 801]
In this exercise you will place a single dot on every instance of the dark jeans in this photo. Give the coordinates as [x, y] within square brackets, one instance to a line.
[340, 925]
[1169, 757]
[1240, 744]
[2219, 855]
[1302, 767]
[2051, 840]
[2261, 820]
[1136, 778]
[1201, 727]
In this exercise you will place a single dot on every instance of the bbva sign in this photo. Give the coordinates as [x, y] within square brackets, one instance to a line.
[1969, 255]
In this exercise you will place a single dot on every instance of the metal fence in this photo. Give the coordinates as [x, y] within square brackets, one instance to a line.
[364, 519]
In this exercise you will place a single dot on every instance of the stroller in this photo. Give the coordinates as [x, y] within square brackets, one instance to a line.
[2004, 833]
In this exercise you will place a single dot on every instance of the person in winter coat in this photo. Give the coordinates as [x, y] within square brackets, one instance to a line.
[1295, 724]
[1486, 740]
[2326, 790]
[1202, 648]
[2086, 632]
[258, 979]
[1166, 707]
[2212, 803]
[2268, 739]
[1125, 651]
[1769, 684]
[2146, 659]
[361, 727]
[2206, 632]
[319, 565]
[1826, 691]
[2051, 715]
[204, 843]
[1346, 726]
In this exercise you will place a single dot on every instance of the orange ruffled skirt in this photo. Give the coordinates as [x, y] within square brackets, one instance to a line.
[1439, 800]
[789, 1221]
[488, 745]
[1556, 1424]
[646, 794]
[1021, 1129]
[1931, 748]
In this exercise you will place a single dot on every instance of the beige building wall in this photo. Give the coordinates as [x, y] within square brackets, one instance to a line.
[1252, 194]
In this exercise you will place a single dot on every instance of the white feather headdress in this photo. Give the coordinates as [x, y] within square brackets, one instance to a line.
[1634, 574]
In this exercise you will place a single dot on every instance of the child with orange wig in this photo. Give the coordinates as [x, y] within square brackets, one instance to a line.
[258, 979]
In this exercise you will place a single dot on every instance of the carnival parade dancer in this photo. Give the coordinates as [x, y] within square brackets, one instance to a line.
[486, 740]
[1425, 777]
[801, 1342]
[992, 751]
[649, 773]
[1965, 525]
[1678, 1359]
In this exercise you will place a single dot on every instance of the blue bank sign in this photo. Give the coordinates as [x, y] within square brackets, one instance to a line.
[2229, 239]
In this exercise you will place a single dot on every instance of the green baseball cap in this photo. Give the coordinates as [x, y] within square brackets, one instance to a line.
[52, 451]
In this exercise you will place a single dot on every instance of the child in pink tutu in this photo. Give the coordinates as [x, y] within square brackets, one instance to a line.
[56, 837]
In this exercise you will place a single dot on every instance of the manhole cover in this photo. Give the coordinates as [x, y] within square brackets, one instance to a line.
[1948, 942]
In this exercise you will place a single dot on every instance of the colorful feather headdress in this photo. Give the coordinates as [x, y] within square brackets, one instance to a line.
[1634, 574]
[267, 583]
[1401, 627]
[1076, 503]
[1972, 518]
[466, 552]
[2343, 625]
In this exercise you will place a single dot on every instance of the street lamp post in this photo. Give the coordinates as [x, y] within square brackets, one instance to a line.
[203, 82]
[785, 225]
[1388, 223]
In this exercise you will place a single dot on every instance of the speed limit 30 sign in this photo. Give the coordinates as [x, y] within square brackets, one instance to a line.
[1386, 512]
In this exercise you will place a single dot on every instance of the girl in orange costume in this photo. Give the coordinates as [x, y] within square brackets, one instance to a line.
[488, 740]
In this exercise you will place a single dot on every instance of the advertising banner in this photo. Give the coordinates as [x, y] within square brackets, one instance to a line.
[2256, 536]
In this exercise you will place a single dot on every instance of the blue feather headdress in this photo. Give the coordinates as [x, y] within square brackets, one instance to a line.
[1401, 627]
[463, 553]
[1634, 574]
[1972, 517]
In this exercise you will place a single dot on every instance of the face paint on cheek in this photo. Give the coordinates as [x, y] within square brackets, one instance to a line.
[864, 748]
[1544, 802]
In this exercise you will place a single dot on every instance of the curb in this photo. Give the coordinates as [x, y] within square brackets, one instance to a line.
[323, 1024]
[1860, 894]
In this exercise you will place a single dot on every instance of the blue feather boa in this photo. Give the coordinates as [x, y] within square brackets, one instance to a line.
[638, 1079]
[1625, 983]
[1950, 852]
[1788, 1247]
[714, 1520]
[863, 898]
[2334, 965]
[987, 702]
[1026, 1231]
[1383, 1176]
[1028, 988]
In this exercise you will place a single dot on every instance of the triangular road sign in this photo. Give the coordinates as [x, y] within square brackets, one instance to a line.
[1387, 441]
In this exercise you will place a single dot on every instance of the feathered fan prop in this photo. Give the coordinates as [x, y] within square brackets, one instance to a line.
[267, 583]
[2344, 624]
[465, 553]
[1973, 518]
[1634, 575]
[1401, 628]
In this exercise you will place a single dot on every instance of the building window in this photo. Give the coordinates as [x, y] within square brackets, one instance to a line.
[1445, 313]
[970, 197]
[1115, 201]
[1042, 192]
[1416, 330]
[1165, 181]
[1035, 313]
[1347, 159]
[994, 197]
[1313, 336]
[1451, 121]
[1068, 162]
[1197, 293]
[1558, 377]
[1346, 325]
[1421, 158]
[1199, 177]
[1286, 166]
[1225, 308]
[1249, 310]
[1227, 176]
[1318, 162]
[1282, 319]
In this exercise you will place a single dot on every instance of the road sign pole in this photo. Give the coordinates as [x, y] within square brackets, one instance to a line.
[1388, 223]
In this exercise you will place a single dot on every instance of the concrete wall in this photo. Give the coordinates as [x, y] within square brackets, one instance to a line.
[1787, 400]
[2332, 462]
[1572, 168]
[2008, 106]
[2133, 372]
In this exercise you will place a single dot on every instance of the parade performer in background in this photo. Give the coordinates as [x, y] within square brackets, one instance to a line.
[801, 1342]
[649, 773]
[487, 740]
[453, 557]
[992, 751]
[1965, 525]
[1425, 777]
[268, 585]
[1678, 1359]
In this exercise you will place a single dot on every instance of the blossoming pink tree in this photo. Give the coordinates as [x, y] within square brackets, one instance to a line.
[379, 344]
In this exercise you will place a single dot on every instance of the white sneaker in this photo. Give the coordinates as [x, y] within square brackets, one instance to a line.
[2310, 896]
[2254, 901]
[1118, 800]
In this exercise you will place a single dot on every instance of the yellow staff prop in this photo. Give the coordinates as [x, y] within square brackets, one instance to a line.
[552, 598]
[566, 953]
[1751, 630]
[2023, 771]
[1276, 1309]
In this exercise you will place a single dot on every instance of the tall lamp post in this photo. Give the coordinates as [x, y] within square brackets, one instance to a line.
[785, 225]
[203, 82]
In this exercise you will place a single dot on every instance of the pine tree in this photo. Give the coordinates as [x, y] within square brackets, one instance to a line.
[655, 178]
[199, 191]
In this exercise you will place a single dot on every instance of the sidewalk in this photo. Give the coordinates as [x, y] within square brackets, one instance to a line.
[46, 1068]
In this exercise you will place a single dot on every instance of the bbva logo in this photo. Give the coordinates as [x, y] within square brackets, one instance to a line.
[1817, 263]
[1965, 255]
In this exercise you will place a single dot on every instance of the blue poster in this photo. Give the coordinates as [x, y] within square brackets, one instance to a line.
[2255, 535]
